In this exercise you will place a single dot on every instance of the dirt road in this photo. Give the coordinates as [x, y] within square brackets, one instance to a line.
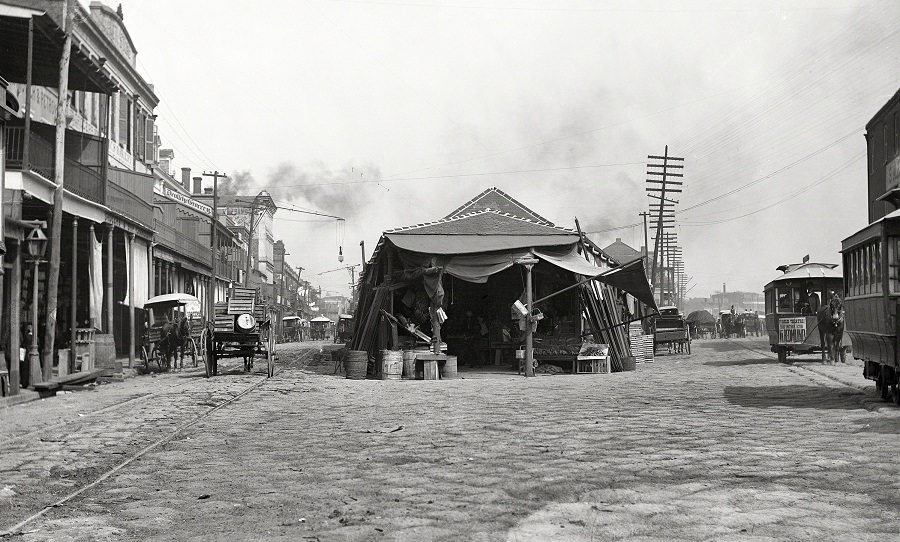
[724, 444]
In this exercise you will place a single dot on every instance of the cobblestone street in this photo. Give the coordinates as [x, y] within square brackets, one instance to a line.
[725, 444]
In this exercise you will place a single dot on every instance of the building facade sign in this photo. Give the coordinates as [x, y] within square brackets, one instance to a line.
[167, 192]
[892, 173]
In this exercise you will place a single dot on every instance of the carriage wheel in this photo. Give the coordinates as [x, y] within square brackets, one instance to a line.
[201, 345]
[145, 358]
[270, 353]
[193, 348]
[209, 360]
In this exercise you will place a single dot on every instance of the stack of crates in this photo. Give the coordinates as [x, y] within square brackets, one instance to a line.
[641, 344]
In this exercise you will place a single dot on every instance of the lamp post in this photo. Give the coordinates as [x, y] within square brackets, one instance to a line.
[528, 263]
[35, 244]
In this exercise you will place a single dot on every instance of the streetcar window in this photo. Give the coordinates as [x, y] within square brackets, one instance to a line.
[878, 264]
[864, 269]
[785, 301]
[893, 260]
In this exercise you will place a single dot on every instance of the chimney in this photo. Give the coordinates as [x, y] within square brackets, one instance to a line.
[186, 178]
[197, 182]
[618, 239]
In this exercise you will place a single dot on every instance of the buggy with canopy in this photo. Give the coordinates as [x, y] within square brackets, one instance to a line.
[175, 325]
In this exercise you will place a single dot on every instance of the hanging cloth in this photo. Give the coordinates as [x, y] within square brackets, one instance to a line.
[95, 275]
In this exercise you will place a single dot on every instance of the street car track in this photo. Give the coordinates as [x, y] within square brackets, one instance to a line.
[800, 368]
[17, 528]
[93, 412]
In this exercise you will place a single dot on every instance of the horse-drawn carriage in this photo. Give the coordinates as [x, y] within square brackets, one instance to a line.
[702, 324]
[243, 327]
[670, 329]
[343, 330]
[175, 328]
[292, 328]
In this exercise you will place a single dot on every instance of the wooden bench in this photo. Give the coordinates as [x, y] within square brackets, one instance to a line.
[429, 366]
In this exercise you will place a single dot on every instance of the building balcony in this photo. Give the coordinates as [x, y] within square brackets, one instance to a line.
[182, 244]
[131, 193]
[85, 157]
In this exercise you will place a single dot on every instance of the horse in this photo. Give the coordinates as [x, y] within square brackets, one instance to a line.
[175, 336]
[830, 320]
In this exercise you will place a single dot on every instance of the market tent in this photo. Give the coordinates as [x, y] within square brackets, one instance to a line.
[701, 317]
[478, 241]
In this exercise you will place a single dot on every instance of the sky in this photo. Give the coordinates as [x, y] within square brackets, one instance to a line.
[392, 113]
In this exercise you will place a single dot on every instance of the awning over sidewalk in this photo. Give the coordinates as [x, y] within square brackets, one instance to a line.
[84, 73]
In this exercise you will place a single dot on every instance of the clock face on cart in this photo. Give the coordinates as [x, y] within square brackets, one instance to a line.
[246, 321]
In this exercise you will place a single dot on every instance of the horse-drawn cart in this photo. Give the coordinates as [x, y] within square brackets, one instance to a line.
[175, 328]
[671, 330]
[242, 328]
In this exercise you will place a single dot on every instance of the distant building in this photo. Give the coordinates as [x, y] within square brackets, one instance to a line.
[621, 252]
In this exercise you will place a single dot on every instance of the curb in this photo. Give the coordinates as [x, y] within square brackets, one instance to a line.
[24, 396]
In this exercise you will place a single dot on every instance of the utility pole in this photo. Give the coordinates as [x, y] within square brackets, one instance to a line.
[660, 184]
[646, 250]
[214, 249]
[58, 177]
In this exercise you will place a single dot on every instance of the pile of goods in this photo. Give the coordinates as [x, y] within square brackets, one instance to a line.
[558, 346]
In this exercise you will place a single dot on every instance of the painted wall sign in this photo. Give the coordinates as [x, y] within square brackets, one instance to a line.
[167, 192]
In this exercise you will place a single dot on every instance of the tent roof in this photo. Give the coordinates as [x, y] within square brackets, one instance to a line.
[320, 319]
[480, 231]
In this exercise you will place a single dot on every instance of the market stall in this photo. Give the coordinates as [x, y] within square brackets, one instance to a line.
[456, 280]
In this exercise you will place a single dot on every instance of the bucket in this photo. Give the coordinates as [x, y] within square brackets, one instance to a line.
[355, 364]
[409, 364]
[449, 368]
[391, 364]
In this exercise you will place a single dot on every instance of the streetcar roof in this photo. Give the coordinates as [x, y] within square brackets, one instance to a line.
[808, 270]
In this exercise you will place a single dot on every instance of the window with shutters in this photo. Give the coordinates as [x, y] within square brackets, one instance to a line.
[122, 133]
[149, 151]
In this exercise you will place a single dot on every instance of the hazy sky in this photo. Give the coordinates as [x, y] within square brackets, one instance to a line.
[390, 113]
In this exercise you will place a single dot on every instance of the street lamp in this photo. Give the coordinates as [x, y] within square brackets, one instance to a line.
[35, 245]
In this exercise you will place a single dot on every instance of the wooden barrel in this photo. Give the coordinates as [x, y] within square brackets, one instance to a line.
[355, 364]
[449, 368]
[409, 364]
[391, 364]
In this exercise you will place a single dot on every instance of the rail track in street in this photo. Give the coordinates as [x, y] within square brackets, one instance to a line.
[872, 404]
[17, 529]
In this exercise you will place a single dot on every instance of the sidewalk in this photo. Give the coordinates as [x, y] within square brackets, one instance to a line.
[26, 395]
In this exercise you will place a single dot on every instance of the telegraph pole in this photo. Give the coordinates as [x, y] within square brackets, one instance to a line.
[211, 301]
[646, 250]
[58, 177]
[659, 176]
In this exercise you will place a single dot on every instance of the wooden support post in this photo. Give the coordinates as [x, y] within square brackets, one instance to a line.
[131, 323]
[59, 179]
[73, 298]
[110, 243]
[15, 316]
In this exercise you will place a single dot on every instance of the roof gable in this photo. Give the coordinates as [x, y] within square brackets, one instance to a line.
[495, 199]
[484, 222]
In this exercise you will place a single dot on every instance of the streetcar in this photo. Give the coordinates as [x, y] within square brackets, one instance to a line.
[792, 301]
[872, 293]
